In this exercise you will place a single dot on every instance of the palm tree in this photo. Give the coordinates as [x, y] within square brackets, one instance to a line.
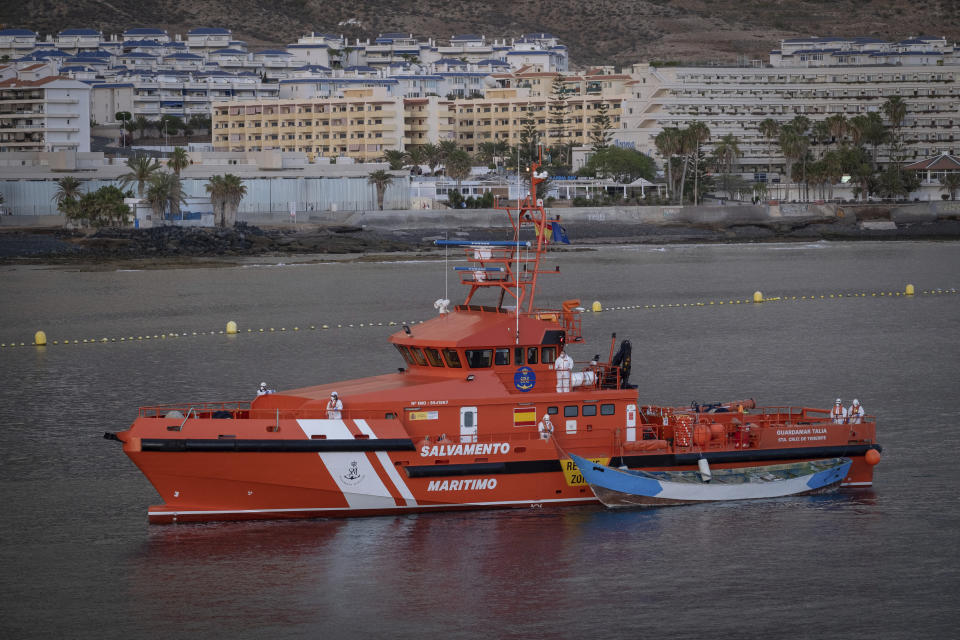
[801, 124]
[68, 188]
[872, 131]
[668, 144]
[432, 156]
[142, 124]
[178, 160]
[417, 156]
[446, 147]
[68, 198]
[396, 158]
[896, 111]
[486, 151]
[837, 126]
[694, 135]
[234, 191]
[790, 144]
[459, 164]
[142, 168]
[130, 127]
[770, 130]
[821, 133]
[380, 180]
[726, 153]
[158, 195]
[218, 198]
[950, 183]
[833, 167]
[165, 193]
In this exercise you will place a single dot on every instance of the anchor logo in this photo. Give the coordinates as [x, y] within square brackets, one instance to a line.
[353, 475]
[353, 472]
[524, 379]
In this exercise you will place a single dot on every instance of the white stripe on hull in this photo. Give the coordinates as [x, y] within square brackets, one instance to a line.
[391, 470]
[353, 472]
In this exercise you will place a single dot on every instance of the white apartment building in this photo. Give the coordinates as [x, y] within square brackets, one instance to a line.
[15, 43]
[42, 112]
[734, 100]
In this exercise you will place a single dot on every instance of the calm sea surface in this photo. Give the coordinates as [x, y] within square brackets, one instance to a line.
[79, 559]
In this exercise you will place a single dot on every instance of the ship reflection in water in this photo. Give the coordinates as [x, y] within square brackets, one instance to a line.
[529, 570]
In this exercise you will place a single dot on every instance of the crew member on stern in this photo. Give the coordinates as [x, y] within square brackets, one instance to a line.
[563, 366]
[855, 413]
[334, 406]
[545, 427]
[838, 413]
[262, 391]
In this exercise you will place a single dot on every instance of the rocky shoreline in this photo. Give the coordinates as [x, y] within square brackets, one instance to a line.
[172, 245]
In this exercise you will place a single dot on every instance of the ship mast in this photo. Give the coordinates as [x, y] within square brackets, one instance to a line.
[511, 266]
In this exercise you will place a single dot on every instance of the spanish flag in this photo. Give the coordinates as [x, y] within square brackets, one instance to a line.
[525, 417]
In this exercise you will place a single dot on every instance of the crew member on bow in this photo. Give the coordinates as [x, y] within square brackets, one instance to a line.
[334, 406]
[838, 414]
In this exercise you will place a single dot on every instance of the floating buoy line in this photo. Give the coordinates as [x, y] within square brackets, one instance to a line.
[233, 329]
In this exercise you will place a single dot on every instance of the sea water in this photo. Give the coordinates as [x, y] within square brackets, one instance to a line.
[80, 560]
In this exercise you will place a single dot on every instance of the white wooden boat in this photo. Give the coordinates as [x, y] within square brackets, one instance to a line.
[627, 488]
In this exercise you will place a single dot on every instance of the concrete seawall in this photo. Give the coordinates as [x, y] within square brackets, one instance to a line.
[709, 215]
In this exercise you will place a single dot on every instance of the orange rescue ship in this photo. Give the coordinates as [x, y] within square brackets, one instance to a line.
[479, 417]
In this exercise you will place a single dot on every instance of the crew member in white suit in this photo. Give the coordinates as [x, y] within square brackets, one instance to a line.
[838, 413]
[855, 413]
[334, 406]
[545, 427]
[563, 366]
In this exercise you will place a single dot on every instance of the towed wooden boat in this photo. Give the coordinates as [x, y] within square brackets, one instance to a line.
[628, 488]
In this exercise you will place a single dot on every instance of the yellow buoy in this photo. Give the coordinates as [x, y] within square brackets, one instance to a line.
[40, 339]
[909, 292]
[597, 307]
[231, 327]
[758, 296]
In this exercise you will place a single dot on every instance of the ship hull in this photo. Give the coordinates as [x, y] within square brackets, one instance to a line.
[235, 478]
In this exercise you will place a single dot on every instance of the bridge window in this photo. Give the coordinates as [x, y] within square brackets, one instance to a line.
[502, 356]
[571, 411]
[532, 353]
[607, 409]
[405, 352]
[433, 356]
[452, 358]
[589, 409]
[549, 354]
[418, 356]
[553, 410]
[518, 355]
[479, 358]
